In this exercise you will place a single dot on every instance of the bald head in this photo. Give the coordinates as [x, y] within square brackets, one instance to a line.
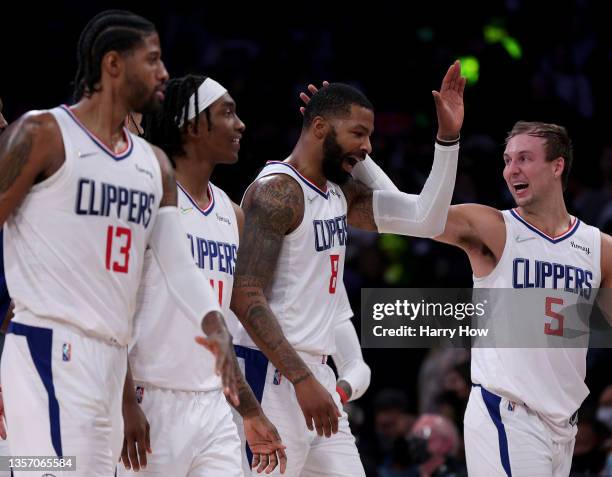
[441, 434]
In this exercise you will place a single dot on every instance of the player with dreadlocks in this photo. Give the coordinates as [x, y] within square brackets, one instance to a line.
[192, 430]
[81, 199]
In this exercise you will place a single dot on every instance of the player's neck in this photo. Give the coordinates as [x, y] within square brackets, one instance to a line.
[553, 218]
[194, 177]
[306, 158]
[102, 117]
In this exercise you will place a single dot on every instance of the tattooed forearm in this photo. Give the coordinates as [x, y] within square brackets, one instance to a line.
[360, 203]
[15, 152]
[248, 402]
[273, 207]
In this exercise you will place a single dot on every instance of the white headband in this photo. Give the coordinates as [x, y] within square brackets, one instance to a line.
[208, 92]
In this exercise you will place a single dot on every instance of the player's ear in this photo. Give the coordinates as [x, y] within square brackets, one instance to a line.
[195, 131]
[558, 166]
[320, 127]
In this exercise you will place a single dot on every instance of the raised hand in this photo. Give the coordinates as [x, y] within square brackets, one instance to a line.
[449, 103]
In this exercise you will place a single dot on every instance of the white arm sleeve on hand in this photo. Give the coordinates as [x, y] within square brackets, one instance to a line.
[422, 215]
[371, 174]
[349, 360]
[192, 292]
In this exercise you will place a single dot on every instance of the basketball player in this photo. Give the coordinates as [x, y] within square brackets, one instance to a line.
[80, 200]
[353, 372]
[192, 428]
[292, 258]
[521, 416]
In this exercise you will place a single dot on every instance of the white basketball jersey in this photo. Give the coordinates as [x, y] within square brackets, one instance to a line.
[74, 248]
[163, 351]
[549, 381]
[303, 291]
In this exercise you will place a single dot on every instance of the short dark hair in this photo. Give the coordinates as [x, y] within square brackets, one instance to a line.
[334, 100]
[557, 142]
[162, 128]
[111, 30]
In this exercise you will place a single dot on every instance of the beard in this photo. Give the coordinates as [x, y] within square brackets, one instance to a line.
[333, 157]
[142, 100]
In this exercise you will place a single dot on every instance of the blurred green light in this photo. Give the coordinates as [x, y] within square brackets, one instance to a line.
[393, 274]
[470, 68]
[513, 47]
[494, 33]
[394, 245]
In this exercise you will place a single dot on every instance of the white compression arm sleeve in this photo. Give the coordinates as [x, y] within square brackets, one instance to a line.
[422, 215]
[192, 292]
[371, 174]
[349, 360]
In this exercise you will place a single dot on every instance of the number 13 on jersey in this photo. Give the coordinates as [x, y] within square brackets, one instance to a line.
[118, 242]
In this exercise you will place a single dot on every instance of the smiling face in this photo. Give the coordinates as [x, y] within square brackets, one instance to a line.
[222, 139]
[530, 177]
[346, 143]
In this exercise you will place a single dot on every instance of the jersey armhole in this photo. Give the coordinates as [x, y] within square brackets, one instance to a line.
[505, 252]
[62, 171]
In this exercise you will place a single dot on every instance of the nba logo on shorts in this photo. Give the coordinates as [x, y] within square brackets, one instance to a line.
[511, 405]
[66, 351]
[139, 394]
[277, 377]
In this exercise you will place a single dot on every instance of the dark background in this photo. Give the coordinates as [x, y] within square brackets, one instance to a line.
[265, 53]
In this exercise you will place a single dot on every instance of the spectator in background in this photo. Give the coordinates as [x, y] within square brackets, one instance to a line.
[589, 451]
[433, 445]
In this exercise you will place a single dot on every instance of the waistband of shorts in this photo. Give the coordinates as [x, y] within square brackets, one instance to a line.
[312, 358]
[30, 319]
[309, 358]
[572, 420]
[138, 383]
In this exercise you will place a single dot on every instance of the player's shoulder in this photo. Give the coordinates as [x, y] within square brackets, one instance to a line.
[37, 126]
[275, 189]
[37, 135]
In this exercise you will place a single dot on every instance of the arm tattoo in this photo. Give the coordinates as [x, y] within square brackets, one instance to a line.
[14, 155]
[360, 205]
[249, 405]
[273, 206]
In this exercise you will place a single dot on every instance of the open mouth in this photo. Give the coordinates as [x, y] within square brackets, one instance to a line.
[520, 187]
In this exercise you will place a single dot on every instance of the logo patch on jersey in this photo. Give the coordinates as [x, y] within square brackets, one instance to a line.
[139, 394]
[310, 199]
[511, 405]
[520, 239]
[585, 249]
[223, 219]
[277, 377]
[66, 352]
[186, 210]
[333, 192]
[144, 171]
